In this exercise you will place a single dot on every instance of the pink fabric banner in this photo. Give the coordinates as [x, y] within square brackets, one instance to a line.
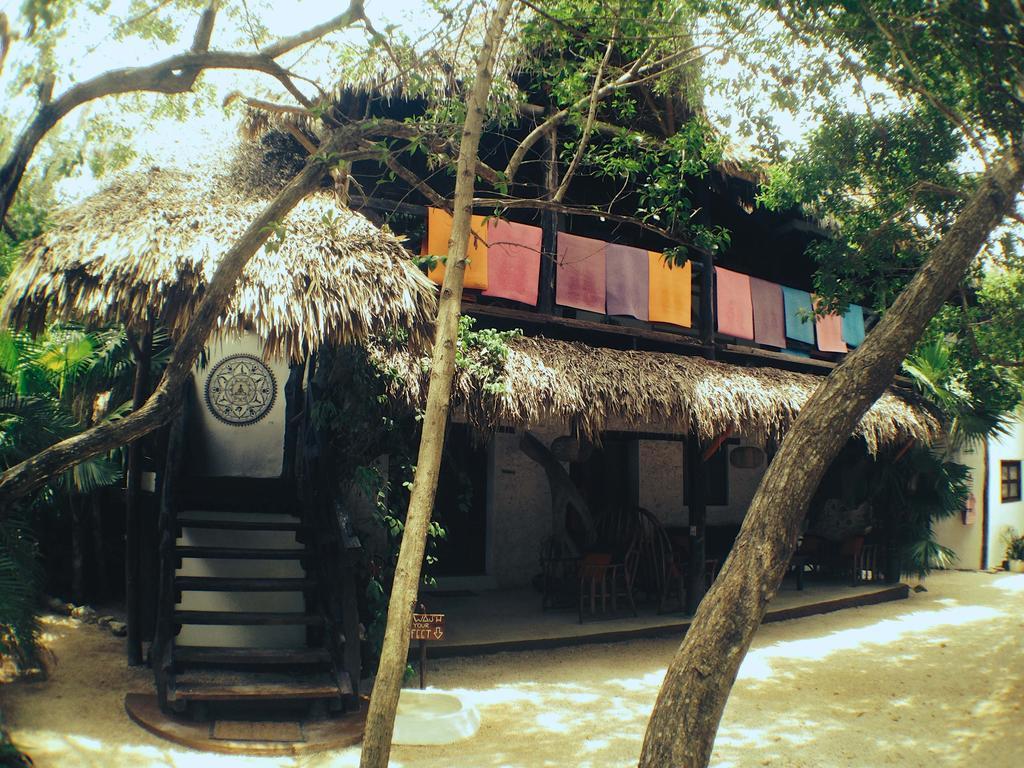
[830, 332]
[513, 261]
[626, 271]
[581, 273]
[735, 312]
[769, 313]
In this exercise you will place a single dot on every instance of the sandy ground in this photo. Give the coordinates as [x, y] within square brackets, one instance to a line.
[936, 680]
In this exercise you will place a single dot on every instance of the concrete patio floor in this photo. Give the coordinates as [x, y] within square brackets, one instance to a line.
[492, 621]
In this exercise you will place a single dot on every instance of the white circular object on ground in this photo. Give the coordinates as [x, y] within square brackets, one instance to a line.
[433, 717]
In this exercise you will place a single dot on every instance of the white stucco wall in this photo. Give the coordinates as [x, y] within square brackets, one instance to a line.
[966, 540]
[253, 450]
[518, 509]
[1010, 447]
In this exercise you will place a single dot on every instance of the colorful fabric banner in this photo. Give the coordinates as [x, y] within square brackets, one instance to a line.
[626, 273]
[735, 312]
[830, 333]
[769, 313]
[799, 314]
[853, 325]
[669, 291]
[580, 275]
[513, 261]
[439, 232]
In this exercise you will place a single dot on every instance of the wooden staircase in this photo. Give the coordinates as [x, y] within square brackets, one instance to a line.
[246, 626]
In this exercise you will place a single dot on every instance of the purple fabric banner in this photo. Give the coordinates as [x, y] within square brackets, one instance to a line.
[626, 270]
[513, 261]
[581, 273]
[769, 313]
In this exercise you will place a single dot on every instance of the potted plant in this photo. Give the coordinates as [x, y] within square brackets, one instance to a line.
[1014, 550]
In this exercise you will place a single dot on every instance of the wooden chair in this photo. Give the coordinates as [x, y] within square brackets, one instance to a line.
[599, 574]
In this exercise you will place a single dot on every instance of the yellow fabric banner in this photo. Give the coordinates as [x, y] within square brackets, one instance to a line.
[669, 291]
[439, 232]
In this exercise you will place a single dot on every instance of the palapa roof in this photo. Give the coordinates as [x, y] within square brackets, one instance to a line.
[594, 388]
[147, 245]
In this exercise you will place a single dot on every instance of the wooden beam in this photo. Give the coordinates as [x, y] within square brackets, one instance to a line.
[686, 340]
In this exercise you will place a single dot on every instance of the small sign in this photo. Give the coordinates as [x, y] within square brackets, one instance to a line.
[427, 626]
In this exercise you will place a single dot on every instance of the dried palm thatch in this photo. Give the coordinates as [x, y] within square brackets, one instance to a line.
[434, 68]
[144, 249]
[593, 388]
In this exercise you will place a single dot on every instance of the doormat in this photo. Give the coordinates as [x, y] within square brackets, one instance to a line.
[244, 730]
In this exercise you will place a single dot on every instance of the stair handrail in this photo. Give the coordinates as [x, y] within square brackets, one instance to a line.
[167, 531]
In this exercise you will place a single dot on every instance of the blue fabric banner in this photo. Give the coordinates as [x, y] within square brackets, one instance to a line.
[799, 315]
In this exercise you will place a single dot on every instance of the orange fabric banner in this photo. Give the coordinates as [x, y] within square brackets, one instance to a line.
[439, 232]
[669, 291]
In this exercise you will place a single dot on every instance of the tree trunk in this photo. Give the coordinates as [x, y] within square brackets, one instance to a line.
[75, 501]
[158, 409]
[380, 720]
[682, 728]
[133, 508]
[99, 555]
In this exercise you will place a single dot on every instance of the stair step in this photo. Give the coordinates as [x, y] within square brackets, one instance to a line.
[238, 584]
[241, 525]
[243, 618]
[214, 655]
[221, 685]
[242, 553]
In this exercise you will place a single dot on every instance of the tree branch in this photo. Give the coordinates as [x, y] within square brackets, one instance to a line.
[563, 187]
[634, 75]
[918, 85]
[176, 74]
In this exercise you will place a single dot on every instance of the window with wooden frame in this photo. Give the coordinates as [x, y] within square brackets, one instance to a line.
[1009, 479]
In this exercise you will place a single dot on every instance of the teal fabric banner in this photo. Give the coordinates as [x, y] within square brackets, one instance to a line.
[853, 325]
[799, 315]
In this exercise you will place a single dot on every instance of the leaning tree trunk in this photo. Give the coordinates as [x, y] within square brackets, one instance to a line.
[682, 728]
[380, 720]
[104, 437]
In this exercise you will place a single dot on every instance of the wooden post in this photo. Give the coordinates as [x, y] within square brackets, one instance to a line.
[293, 396]
[985, 508]
[707, 304]
[143, 351]
[697, 509]
[167, 530]
[551, 221]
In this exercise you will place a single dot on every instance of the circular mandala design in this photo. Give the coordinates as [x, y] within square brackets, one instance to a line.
[240, 390]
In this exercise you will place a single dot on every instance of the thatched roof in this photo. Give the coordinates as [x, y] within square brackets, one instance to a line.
[594, 388]
[148, 244]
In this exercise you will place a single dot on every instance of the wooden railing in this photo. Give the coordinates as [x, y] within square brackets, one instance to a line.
[167, 532]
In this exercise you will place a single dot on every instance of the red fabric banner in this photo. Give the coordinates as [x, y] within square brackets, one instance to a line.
[513, 261]
[735, 311]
